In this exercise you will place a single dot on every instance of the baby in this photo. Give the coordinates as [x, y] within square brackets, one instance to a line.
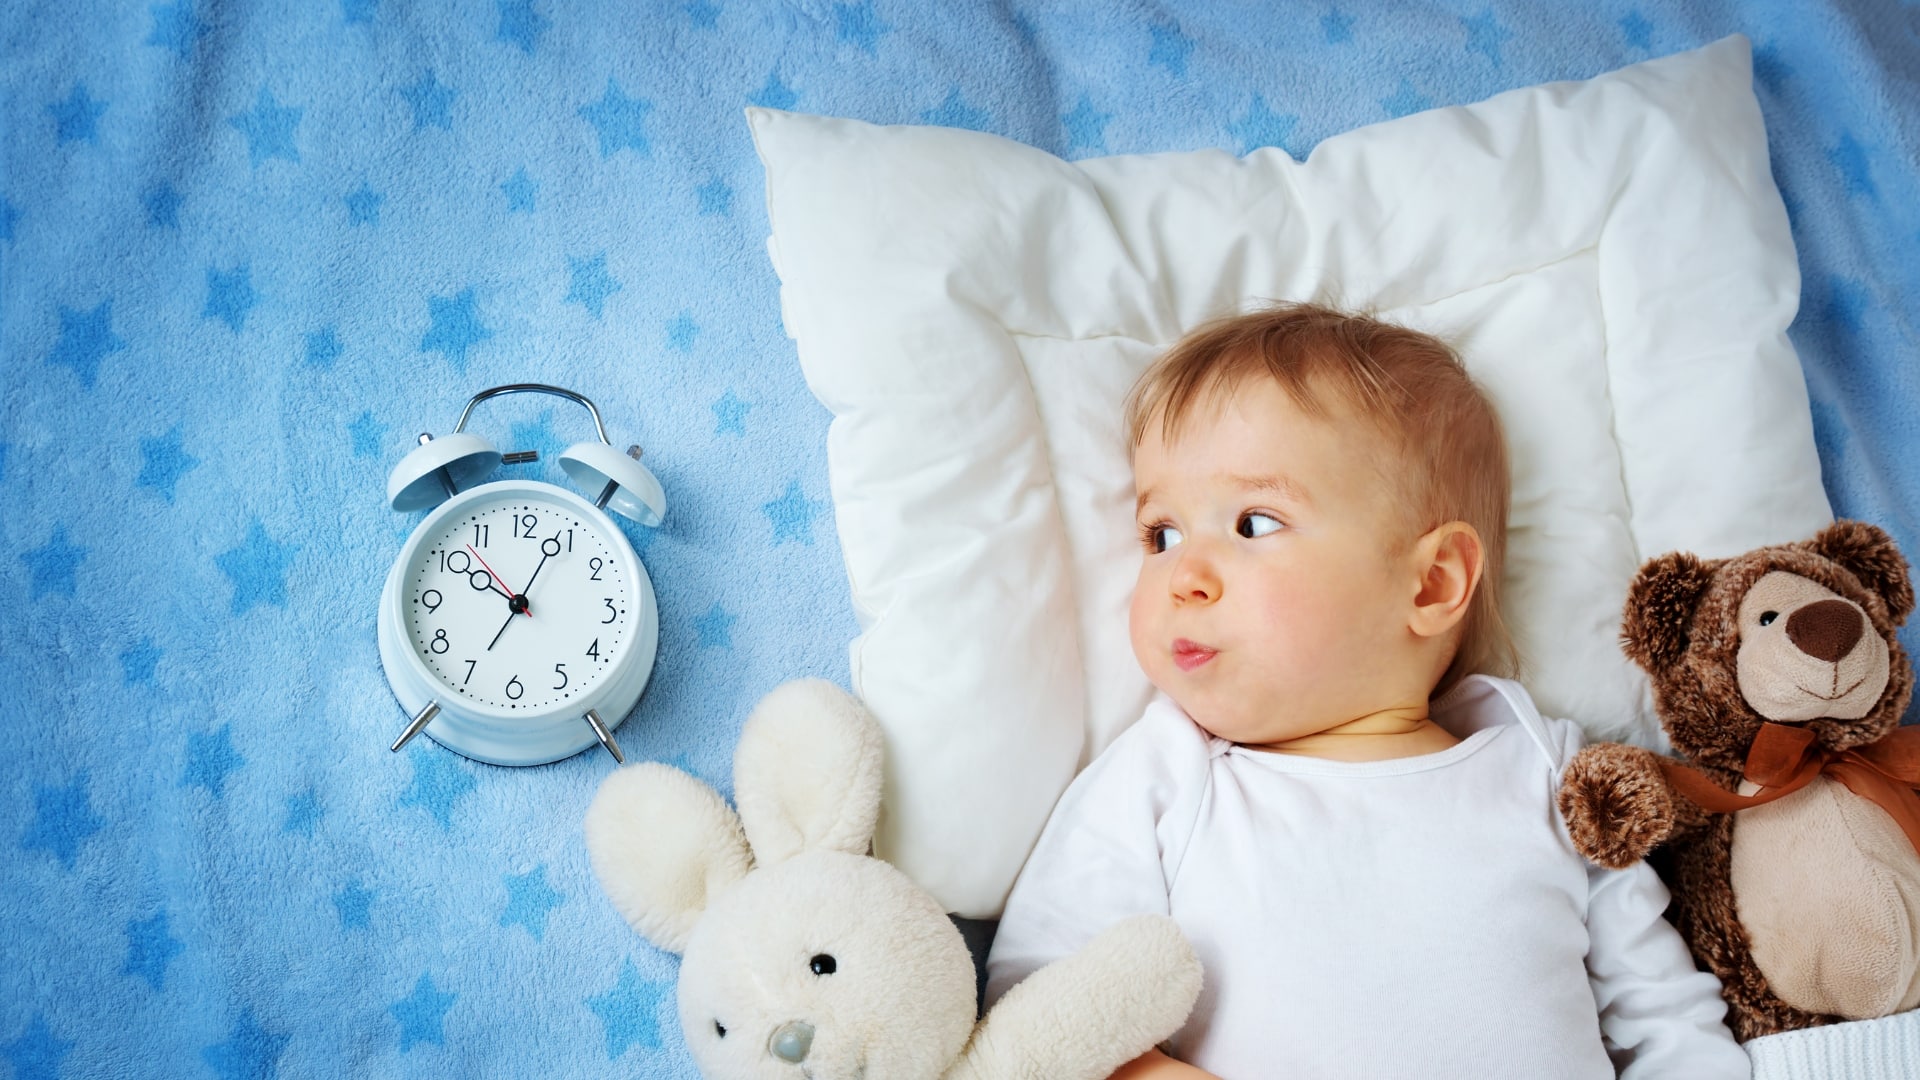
[1351, 818]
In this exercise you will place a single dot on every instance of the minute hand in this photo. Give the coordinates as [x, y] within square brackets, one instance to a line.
[545, 554]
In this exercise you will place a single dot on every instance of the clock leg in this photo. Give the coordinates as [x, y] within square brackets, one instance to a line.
[420, 720]
[599, 727]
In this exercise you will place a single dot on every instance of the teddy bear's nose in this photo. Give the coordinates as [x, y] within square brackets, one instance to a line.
[1826, 629]
[792, 1041]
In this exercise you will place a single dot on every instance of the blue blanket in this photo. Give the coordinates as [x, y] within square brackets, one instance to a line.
[248, 251]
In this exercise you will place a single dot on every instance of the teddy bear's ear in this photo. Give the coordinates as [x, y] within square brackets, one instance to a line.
[1870, 554]
[663, 843]
[1660, 606]
[807, 772]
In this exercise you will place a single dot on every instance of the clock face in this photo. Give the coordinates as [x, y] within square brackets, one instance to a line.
[519, 603]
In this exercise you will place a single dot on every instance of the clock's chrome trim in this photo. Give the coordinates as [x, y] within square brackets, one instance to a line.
[420, 720]
[533, 388]
[599, 727]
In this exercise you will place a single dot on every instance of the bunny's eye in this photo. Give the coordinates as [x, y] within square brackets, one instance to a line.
[822, 964]
[719, 1029]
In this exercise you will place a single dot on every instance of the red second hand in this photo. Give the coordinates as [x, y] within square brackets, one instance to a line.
[528, 610]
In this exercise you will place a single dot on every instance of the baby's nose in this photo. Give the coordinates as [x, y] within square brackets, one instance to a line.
[792, 1041]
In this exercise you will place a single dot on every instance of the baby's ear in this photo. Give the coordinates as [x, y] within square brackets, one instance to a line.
[663, 844]
[807, 773]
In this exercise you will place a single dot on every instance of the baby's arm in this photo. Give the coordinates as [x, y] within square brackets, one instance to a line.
[1659, 1015]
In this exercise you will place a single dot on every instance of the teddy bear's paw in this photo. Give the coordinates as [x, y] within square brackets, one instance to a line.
[1616, 803]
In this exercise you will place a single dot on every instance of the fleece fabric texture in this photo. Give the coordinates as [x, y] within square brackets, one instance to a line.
[249, 250]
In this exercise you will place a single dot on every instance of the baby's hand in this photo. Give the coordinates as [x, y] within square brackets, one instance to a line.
[1616, 803]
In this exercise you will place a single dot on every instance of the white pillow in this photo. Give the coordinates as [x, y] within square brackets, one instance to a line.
[1610, 256]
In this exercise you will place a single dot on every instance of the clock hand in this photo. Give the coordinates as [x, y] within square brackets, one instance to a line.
[544, 556]
[503, 627]
[511, 597]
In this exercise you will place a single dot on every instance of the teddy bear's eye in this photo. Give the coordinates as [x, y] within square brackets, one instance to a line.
[1767, 617]
[719, 1029]
[822, 964]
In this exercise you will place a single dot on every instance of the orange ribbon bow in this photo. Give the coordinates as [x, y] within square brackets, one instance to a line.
[1784, 759]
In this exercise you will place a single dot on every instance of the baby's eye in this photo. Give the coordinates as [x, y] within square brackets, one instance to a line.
[1162, 537]
[1252, 525]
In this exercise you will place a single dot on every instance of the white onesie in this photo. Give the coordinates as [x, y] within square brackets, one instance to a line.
[1420, 917]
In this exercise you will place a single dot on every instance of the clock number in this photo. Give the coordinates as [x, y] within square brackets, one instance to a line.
[612, 612]
[514, 689]
[431, 600]
[594, 565]
[471, 664]
[448, 563]
[439, 644]
[560, 670]
[569, 539]
[479, 535]
[523, 525]
[593, 650]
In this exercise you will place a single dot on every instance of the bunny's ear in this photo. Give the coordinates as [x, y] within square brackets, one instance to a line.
[807, 772]
[663, 843]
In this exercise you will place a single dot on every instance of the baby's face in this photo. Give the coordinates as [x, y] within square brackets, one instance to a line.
[1272, 599]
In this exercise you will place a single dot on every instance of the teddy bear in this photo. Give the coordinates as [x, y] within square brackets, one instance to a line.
[1790, 833]
[803, 956]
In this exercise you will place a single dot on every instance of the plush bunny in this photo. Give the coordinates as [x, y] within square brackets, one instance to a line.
[805, 957]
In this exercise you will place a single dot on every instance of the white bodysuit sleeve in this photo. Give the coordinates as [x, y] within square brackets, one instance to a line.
[1109, 849]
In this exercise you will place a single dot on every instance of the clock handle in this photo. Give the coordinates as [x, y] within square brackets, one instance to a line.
[599, 727]
[534, 388]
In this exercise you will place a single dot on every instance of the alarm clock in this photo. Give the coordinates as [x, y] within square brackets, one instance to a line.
[518, 626]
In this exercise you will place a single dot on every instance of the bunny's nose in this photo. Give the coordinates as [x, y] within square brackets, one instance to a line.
[792, 1041]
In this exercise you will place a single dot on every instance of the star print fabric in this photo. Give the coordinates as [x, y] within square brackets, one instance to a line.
[250, 251]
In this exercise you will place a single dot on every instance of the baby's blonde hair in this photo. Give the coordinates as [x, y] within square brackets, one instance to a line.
[1444, 433]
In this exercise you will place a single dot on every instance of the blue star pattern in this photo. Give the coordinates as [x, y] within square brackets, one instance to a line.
[859, 26]
[620, 121]
[630, 1011]
[164, 460]
[37, 1053]
[456, 327]
[150, 948]
[86, 338]
[1170, 48]
[775, 94]
[529, 900]
[63, 820]
[703, 14]
[51, 565]
[163, 206]
[138, 662]
[591, 283]
[77, 119]
[369, 434]
[715, 628]
[793, 515]
[954, 112]
[174, 27]
[268, 129]
[248, 1052]
[358, 12]
[1637, 30]
[1260, 126]
[1850, 158]
[211, 758]
[1337, 27]
[1485, 35]
[1405, 101]
[1086, 128]
[729, 414]
[715, 197]
[355, 906]
[439, 780]
[230, 296]
[9, 214]
[258, 569]
[432, 103]
[521, 25]
[519, 190]
[681, 332]
[363, 205]
[422, 1014]
[303, 813]
[323, 348]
